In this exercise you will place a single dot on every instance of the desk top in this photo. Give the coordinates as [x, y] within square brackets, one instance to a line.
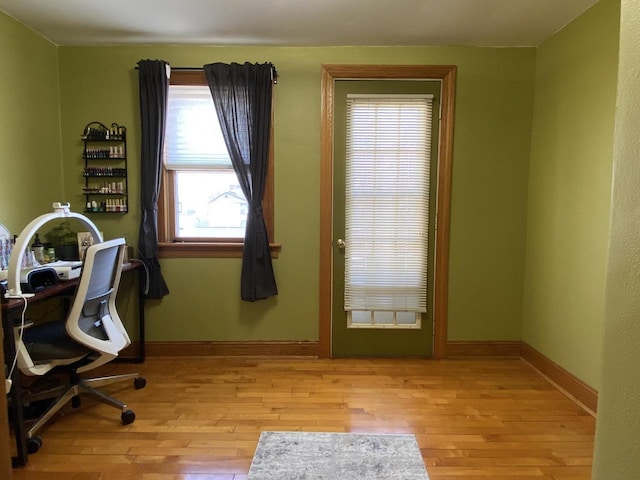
[62, 286]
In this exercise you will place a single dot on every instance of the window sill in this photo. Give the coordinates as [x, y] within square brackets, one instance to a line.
[207, 250]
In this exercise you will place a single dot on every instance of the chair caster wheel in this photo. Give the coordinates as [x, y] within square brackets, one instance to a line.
[127, 417]
[139, 383]
[34, 444]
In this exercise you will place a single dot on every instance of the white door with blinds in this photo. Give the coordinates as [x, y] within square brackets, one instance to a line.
[388, 145]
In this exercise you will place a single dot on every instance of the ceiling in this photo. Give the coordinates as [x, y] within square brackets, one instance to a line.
[296, 22]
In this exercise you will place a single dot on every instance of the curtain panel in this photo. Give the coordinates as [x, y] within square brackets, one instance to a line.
[154, 87]
[242, 95]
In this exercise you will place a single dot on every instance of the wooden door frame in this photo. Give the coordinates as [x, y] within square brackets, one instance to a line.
[330, 73]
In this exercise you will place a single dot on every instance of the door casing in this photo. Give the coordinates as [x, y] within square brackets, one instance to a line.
[330, 73]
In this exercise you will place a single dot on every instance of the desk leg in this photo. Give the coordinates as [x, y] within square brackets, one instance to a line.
[140, 356]
[17, 413]
[141, 332]
[5, 448]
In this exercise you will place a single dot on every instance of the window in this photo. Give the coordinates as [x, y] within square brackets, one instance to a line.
[387, 209]
[202, 210]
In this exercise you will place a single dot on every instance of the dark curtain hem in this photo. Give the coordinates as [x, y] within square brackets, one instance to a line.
[156, 288]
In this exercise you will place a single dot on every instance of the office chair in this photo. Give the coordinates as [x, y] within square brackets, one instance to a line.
[91, 335]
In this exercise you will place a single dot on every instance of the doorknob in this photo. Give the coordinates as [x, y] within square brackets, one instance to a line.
[341, 243]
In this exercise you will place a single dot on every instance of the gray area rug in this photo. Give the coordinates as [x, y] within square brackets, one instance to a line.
[343, 456]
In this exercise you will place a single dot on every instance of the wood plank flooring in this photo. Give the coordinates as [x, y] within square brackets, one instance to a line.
[199, 418]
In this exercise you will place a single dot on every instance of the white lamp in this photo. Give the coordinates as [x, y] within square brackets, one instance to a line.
[60, 210]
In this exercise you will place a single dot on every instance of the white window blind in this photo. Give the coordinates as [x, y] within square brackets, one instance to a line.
[193, 139]
[387, 202]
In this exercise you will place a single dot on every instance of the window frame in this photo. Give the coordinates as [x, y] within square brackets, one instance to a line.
[168, 246]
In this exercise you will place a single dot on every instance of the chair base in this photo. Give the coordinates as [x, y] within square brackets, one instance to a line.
[87, 386]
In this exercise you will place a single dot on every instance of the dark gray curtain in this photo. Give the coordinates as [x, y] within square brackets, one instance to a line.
[154, 88]
[242, 97]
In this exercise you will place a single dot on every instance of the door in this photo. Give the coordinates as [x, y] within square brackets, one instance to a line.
[331, 74]
[382, 331]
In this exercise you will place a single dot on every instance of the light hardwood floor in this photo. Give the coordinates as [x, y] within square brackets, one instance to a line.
[199, 418]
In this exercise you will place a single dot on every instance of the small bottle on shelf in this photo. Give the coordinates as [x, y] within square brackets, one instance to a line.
[38, 249]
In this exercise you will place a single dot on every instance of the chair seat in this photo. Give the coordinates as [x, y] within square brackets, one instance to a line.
[50, 341]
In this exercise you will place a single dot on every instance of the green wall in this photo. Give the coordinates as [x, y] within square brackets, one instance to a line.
[569, 192]
[571, 126]
[617, 449]
[495, 226]
[493, 121]
[30, 158]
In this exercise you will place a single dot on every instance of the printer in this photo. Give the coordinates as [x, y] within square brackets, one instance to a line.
[34, 279]
[67, 269]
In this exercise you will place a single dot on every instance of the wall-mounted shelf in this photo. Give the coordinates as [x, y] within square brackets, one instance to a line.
[106, 188]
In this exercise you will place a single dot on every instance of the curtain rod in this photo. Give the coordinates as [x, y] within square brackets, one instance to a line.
[178, 68]
[274, 72]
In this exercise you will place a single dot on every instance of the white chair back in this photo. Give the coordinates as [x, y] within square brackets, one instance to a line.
[93, 319]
